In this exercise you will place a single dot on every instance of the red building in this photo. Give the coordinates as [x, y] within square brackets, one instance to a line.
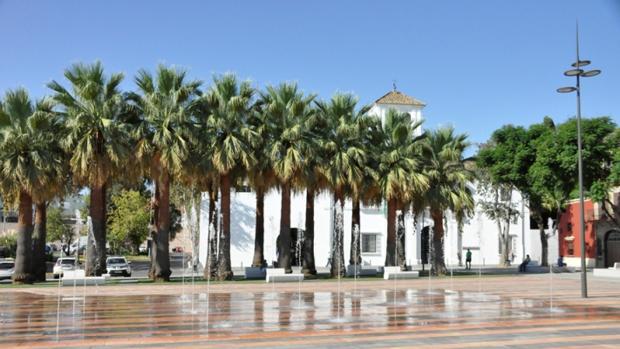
[602, 236]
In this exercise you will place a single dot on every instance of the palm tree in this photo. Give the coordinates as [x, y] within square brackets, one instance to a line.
[343, 163]
[163, 140]
[366, 191]
[261, 177]
[97, 138]
[400, 172]
[30, 163]
[448, 178]
[313, 180]
[230, 105]
[288, 109]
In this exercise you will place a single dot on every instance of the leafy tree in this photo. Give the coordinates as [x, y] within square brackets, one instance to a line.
[128, 222]
[504, 163]
[58, 229]
[600, 191]
[97, 138]
[8, 245]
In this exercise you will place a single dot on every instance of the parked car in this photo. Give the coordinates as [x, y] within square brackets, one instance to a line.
[118, 265]
[63, 264]
[7, 268]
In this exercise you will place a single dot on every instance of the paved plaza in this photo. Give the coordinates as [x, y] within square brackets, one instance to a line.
[466, 312]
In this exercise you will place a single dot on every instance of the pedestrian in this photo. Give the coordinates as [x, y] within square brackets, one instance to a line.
[523, 265]
[468, 259]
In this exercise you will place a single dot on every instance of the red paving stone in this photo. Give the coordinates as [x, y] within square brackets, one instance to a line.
[508, 311]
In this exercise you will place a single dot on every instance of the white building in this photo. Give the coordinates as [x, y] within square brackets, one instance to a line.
[479, 233]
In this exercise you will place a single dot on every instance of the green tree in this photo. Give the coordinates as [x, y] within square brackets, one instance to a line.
[58, 229]
[97, 139]
[129, 221]
[163, 138]
[503, 164]
[601, 189]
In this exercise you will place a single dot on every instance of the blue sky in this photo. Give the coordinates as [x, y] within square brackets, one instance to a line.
[477, 64]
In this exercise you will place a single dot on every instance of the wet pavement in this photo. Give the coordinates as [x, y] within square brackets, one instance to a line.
[364, 315]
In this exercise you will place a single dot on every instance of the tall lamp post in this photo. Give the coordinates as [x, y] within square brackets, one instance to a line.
[579, 73]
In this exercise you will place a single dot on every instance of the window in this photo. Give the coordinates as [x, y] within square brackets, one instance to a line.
[370, 243]
[570, 248]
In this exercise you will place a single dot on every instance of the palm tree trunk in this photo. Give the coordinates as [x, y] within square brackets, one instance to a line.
[154, 224]
[544, 259]
[39, 263]
[96, 251]
[259, 233]
[337, 266]
[390, 247]
[224, 271]
[162, 258]
[284, 257]
[309, 267]
[400, 241]
[23, 258]
[439, 265]
[210, 270]
[354, 255]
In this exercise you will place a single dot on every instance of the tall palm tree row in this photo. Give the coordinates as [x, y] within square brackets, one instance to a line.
[174, 130]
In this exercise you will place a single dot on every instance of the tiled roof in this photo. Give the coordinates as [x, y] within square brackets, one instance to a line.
[397, 97]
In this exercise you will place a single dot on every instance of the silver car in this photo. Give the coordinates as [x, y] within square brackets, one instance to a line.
[118, 266]
[63, 264]
[7, 268]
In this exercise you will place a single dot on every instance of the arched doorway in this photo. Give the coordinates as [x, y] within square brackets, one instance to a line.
[612, 248]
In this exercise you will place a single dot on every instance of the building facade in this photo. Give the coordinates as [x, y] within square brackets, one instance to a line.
[602, 234]
[478, 233]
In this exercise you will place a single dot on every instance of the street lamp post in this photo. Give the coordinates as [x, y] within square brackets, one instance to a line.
[578, 73]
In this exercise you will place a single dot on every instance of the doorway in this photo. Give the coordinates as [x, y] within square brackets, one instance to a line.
[612, 248]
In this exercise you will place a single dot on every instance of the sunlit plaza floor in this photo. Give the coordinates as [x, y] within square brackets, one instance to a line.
[464, 312]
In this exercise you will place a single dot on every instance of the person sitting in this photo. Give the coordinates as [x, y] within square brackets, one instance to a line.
[523, 265]
[561, 261]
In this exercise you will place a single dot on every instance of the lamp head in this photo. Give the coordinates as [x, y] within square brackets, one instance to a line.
[573, 72]
[581, 63]
[590, 73]
[568, 89]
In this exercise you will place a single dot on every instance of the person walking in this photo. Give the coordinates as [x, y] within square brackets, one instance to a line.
[468, 259]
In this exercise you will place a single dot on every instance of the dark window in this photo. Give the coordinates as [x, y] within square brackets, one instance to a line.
[570, 248]
[369, 243]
